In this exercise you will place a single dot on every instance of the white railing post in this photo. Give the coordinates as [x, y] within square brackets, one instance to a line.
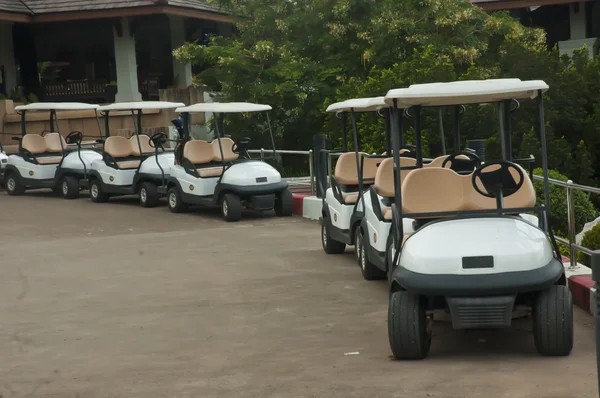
[571, 224]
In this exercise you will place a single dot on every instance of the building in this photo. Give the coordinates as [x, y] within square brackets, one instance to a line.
[100, 50]
[570, 25]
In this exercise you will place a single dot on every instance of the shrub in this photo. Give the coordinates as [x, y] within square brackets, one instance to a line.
[591, 240]
[584, 209]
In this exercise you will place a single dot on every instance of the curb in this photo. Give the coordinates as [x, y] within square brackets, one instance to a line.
[579, 278]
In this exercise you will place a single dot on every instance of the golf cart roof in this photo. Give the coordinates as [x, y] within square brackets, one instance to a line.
[358, 105]
[465, 92]
[56, 106]
[129, 106]
[224, 107]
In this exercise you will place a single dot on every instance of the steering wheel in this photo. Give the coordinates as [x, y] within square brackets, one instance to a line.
[242, 145]
[462, 166]
[498, 180]
[75, 137]
[158, 140]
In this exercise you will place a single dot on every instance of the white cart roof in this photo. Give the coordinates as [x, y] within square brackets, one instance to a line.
[128, 106]
[465, 92]
[224, 107]
[358, 105]
[56, 106]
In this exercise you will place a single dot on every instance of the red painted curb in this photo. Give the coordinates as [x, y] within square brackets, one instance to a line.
[298, 203]
[580, 286]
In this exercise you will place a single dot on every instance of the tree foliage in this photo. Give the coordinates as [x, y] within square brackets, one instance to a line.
[300, 56]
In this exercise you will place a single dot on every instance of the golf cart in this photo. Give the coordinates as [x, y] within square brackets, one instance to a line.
[354, 173]
[472, 257]
[222, 173]
[3, 162]
[374, 241]
[138, 165]
[49, 160]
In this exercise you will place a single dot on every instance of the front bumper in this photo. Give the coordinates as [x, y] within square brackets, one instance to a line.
[480, 285]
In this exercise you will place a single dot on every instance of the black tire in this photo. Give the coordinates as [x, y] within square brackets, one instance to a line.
[357, 246]
[69, 187]
[148, 194]
[330, 245]
[553, 321]
[174, 201]
[96, 193]
[13, 184]
[231, 207]
[284, 204]
[369, 271]
[407, 326]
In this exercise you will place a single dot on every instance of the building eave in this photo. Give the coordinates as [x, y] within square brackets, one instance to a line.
[512, 4]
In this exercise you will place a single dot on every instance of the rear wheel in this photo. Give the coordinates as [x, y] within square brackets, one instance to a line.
[148, 194]
[13, 185]
[408, 331]
[553, 321]
[96, 192]
[330, 245]
[231, 207]
[176, 205]
[369, 271]
[69, 187]
[284, 204]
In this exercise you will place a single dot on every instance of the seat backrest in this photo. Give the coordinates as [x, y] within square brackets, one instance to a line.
[227, 145]
[346, 172]
[198, 152]
[144, 143]
[34, 143]
[370, 167]
[117, 147]
[55, 143]
[432, 190]
[384, 179]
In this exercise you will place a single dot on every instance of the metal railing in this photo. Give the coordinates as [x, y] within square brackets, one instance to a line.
[308, 153]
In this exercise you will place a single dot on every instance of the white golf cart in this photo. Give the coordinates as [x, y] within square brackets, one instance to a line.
[222, 173]
[49, 160]
[374, 241]
[354, 173]
[138, 165]
[3, 162]
[472, 256]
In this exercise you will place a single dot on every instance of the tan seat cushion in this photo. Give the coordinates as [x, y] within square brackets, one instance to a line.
[351, 198]
[211, 172]
[384, 179]
[49, 159]
[198, 152]
[144, 143]
[117, 147]
[34, 143]
[129, 164]
[228, 154]
[55, 142]
[387, 213]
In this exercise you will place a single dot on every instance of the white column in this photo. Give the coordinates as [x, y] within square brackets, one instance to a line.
[182, 72]
[125, 60]
[7, 56]
[577, 20]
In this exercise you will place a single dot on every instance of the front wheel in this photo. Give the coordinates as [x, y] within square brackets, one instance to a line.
[148, 194]
[69, 187]
[408, 331]
[13, 185]
[553, 321]
[231, 207]
[369, 271]
[284, 204]
[330, 245]
[96, 192]
[176, 205]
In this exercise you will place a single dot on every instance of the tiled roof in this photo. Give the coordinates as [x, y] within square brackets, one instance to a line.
[36, 7]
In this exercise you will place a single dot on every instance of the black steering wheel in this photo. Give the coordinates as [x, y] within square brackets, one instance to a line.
[75, 137]
[497, 179]
[462, 166]
[158, 140]
[241, 146]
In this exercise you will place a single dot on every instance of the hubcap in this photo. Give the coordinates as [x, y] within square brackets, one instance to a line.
[11, 184]
[358, 246]
[94, 191]
[65, 187]
[172, 200]
[324, 236]
[225, 208]
[143, 195]
[363, 260]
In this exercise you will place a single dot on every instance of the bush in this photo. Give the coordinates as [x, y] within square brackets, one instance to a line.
[584, 209]
[591, 240]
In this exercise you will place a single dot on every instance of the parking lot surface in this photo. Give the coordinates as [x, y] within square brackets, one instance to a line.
[112, 300]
